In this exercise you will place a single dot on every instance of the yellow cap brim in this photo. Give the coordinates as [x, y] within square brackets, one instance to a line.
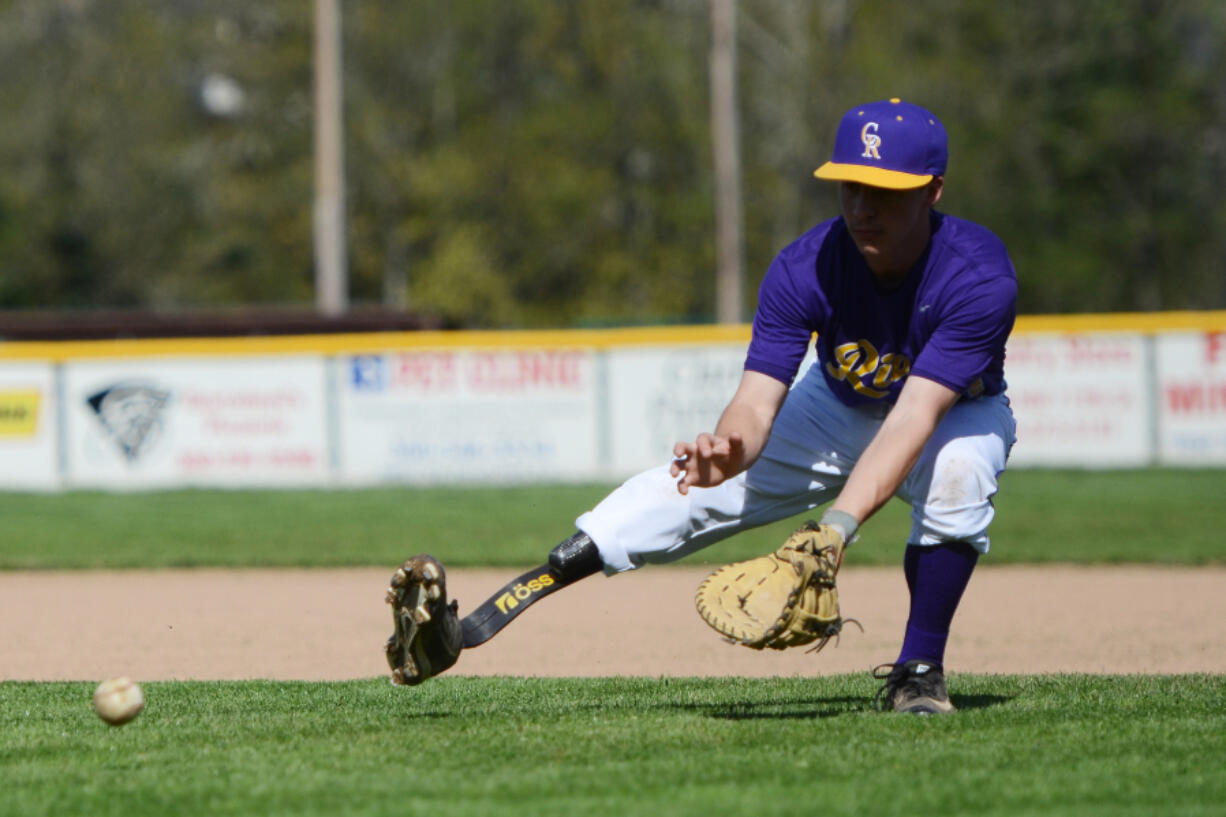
[872, 176]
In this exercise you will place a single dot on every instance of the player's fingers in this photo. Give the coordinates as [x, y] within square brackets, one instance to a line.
[704, 446]
[716, 447]
[736, 447]
[687, 476]
[705, 476]
[683, 454]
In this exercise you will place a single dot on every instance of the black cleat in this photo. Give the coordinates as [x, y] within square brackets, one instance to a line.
[917, 687]
[428, 638]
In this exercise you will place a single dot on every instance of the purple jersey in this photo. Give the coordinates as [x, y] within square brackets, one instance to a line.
[947, 321]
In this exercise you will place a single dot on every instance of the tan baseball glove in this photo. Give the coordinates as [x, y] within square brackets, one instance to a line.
[785, 599]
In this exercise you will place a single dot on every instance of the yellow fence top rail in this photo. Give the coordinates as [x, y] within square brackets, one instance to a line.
[378, 342]
[1145, 322]
[375, 342]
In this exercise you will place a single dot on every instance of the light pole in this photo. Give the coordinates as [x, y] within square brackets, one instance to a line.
[331, 272]
[725, 141]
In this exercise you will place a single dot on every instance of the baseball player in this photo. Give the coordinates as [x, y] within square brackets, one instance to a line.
[911, 309]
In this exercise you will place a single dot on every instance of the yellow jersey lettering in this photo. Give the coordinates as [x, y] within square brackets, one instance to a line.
[865, 370]
[845, 356]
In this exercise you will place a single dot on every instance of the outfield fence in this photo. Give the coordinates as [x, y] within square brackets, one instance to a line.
[1095, 391]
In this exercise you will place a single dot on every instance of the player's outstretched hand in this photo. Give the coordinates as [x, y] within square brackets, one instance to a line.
[707, 461]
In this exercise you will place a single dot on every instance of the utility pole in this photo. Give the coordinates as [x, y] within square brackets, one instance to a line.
[331, 272]
[725, 138]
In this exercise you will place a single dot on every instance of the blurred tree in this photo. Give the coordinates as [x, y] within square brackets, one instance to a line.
[1088, 135]
[564, 136]
[125, 183]
[548, 164]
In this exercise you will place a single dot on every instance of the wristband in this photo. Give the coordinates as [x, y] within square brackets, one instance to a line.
[843, 522]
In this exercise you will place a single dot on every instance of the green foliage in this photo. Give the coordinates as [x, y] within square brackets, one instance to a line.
[1088, 517]
[119, 188]
[555, 148]
[1058, 745]
[548, 164]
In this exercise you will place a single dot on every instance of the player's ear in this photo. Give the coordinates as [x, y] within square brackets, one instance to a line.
[935, 188]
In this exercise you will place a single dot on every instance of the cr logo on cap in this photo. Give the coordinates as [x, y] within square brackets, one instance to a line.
[871, 141]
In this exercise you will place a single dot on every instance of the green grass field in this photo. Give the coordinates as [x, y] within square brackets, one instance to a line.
[1068, 745]
[1020, 745]
[1155, 516]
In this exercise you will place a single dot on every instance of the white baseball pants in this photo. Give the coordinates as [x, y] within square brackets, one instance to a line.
[815, 442]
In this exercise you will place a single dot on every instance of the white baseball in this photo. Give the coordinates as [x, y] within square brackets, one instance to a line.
[118, 700]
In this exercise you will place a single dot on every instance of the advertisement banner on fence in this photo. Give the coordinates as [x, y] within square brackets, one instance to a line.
[456, 415]
[658, 396]
[1080, 400]
[1191, 391]
[29, 451]
[155, 423]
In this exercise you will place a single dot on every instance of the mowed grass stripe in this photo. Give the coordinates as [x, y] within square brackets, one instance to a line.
[1059, 745]
[1150, 515]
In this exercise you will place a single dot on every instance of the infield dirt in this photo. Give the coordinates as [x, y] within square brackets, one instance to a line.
[331, 625]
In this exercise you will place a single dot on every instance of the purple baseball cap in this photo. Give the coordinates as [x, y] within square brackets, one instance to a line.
[891, 144]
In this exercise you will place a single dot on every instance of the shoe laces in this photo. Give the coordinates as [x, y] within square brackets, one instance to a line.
[900, 677]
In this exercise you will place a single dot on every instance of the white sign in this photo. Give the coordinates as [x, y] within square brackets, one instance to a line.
[468, 415]
[29, 448]
[222, 421]
[658, 396]
[1191, 392]
[661, 395]
[1080, 400]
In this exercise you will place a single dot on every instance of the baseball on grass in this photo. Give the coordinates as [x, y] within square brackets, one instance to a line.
[118, 700]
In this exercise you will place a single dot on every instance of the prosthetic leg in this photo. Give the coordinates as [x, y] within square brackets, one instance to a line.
[429, 633]
[573, 559]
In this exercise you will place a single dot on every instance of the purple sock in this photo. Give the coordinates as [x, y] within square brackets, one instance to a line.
[936, 577]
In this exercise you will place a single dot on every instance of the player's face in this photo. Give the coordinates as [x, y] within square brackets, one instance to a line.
[890, 227]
